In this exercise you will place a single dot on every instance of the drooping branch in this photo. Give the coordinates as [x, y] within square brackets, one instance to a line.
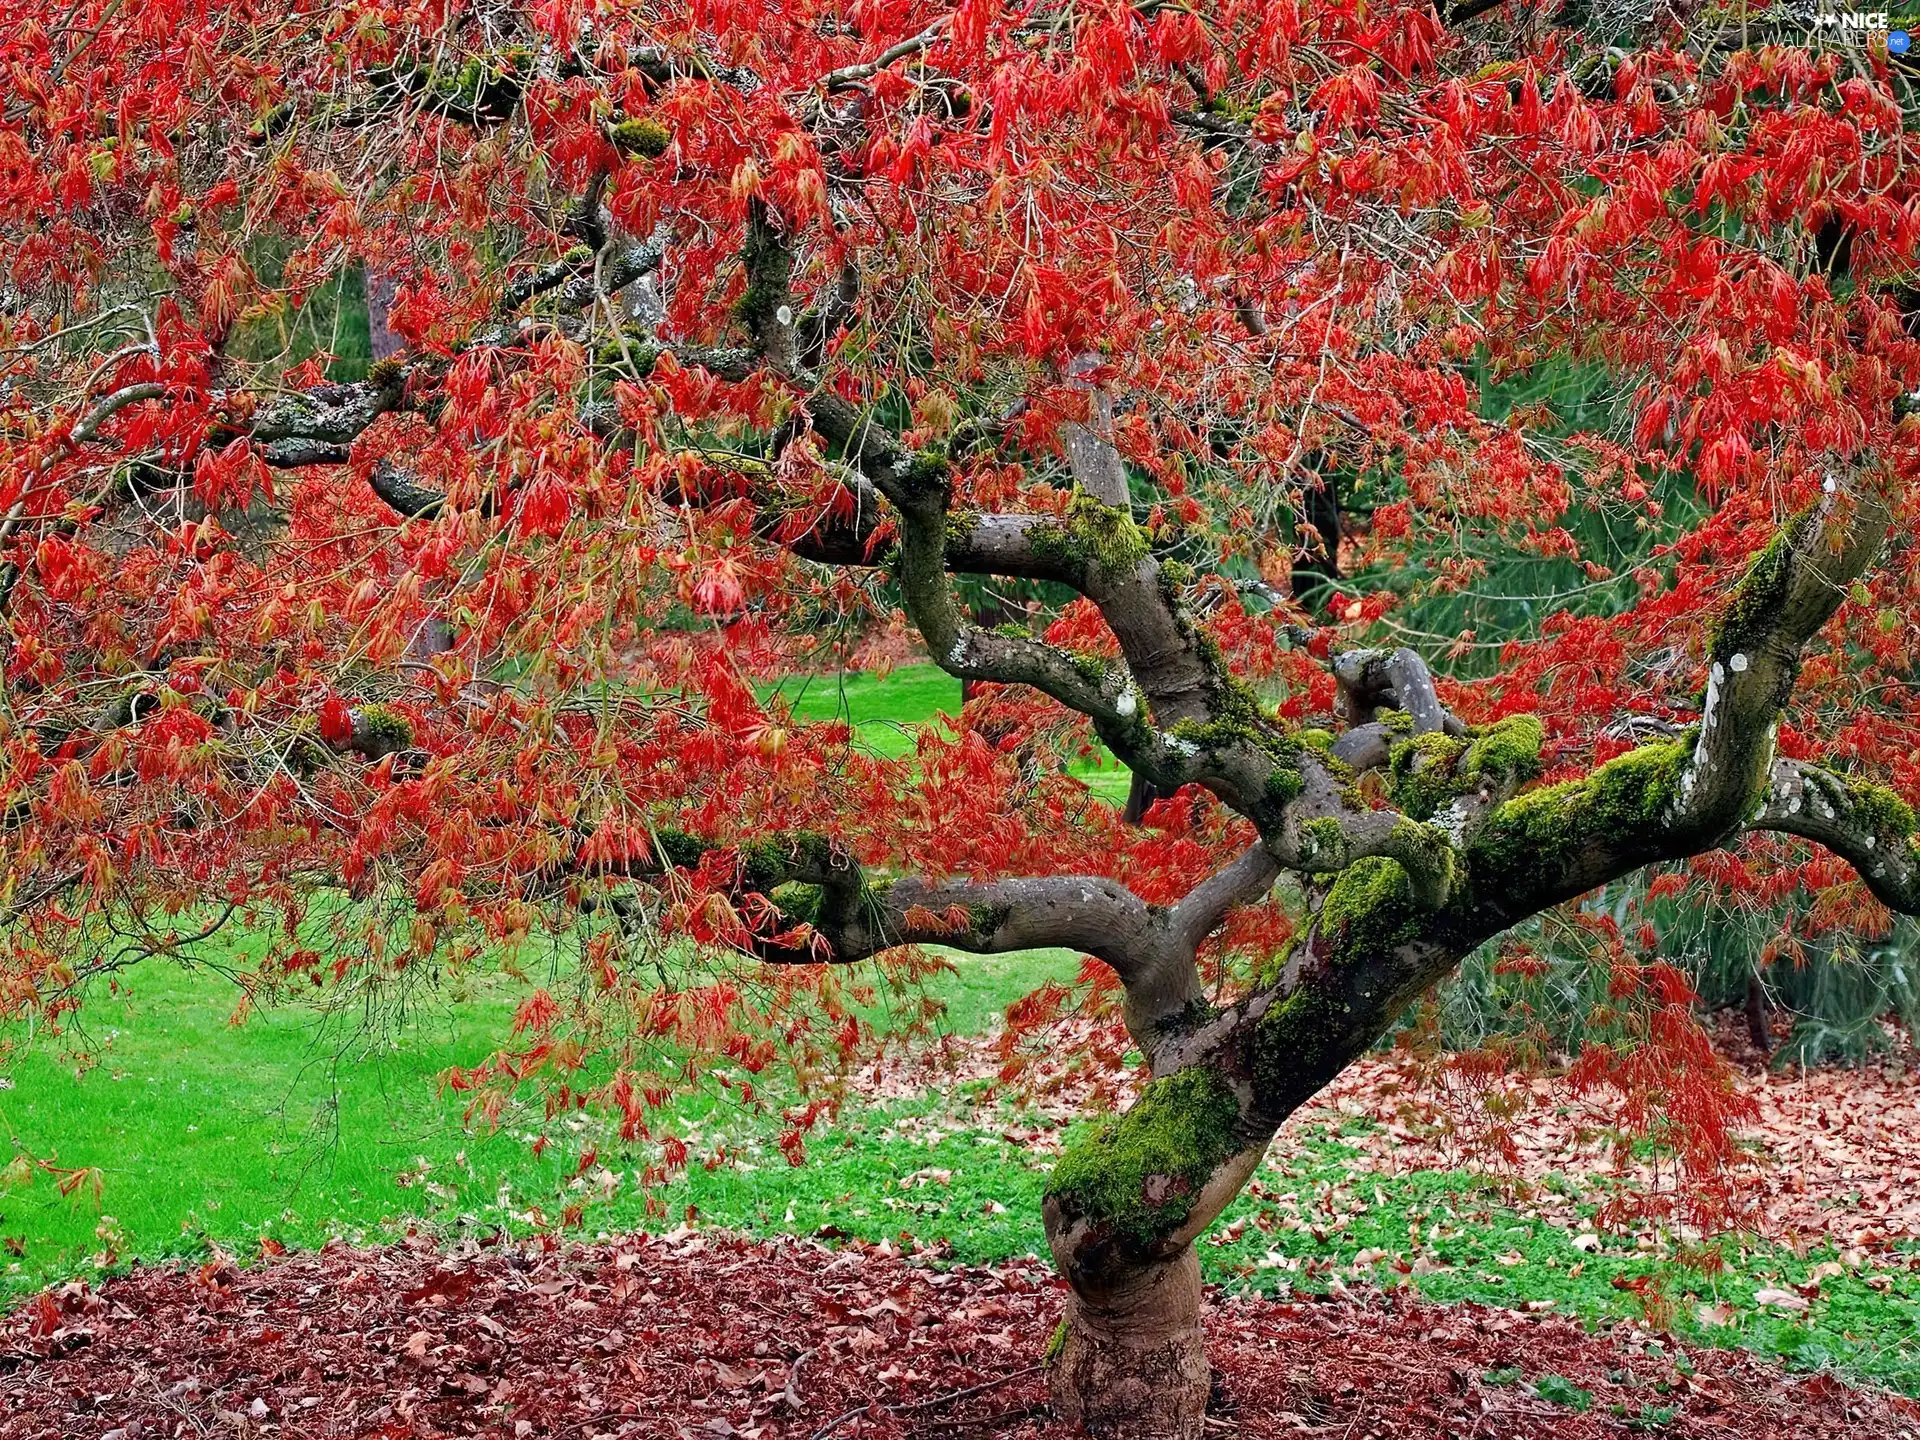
[1171, 712]
[1092, 914]
[1149, 948]
[833, 913]
[1098, 551]
[109, 406]
[1868, 826]
[1103, 554]
[1170, 678]
[85, 431]
[318, 425]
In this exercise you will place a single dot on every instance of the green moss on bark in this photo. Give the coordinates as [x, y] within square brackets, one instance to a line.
[636, 357]
[1427, 856]
[769, 266]
[647, 139]
[1091, 668]
[1275, 965]
[799, 903]
[1284, 786]
[1297, 1042]
[1370, 910]
[478, 89]
[1880, 810]
[1755, 606]
[1545, 830]
[1136, 1176]
[383, 726]
[1323, 846]
[1111, 539]
[1508, 749]
[1344, 997]
[763, 865]
[1429, 771]
[680, 849]
[1424, 774]
[1091, 537]
[768, 864]
[983, 920]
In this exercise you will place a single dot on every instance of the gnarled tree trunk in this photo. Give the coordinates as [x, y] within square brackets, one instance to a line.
[1133, 1360]
[1121, 1214]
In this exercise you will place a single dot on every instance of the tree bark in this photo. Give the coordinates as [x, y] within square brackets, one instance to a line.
[1316, 564]
[1133, 1365]
[1140, 797]
[1757, 1028]
[383, 341]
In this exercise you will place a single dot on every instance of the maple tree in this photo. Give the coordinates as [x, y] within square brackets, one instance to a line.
[731, 330]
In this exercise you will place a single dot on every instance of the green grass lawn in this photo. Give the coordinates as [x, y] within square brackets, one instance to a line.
[300, 1126]
[884, 711]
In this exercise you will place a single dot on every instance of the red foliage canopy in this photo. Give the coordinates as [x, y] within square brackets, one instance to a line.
[459, 648]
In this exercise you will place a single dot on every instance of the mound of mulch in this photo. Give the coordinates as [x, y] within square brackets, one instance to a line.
[710, 1335]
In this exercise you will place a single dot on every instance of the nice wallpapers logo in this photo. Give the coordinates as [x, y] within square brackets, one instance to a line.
[1864, 24]
[1852, 27]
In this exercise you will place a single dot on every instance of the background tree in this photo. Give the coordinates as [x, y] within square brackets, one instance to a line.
[731, 326]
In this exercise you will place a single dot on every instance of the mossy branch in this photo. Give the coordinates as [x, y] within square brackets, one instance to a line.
[1867, 825]
[1788, 593]
[765, 308]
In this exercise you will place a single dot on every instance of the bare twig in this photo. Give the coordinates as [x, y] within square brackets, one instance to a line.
[851, 75]
[938, 1400]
